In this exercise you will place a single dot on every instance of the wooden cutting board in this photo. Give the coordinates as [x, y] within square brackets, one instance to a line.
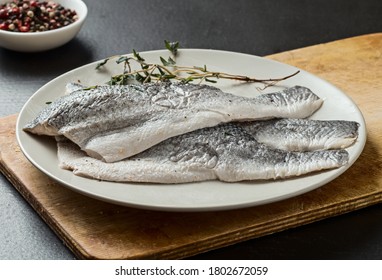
[94, 229]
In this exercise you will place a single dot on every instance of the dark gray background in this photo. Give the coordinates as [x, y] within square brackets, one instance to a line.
[256, 27]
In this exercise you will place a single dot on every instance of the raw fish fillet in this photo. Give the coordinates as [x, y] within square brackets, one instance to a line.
[227, 152]
[115, 122]
[303, 134]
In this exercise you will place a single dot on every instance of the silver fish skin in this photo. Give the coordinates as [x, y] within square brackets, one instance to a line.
[115, 122]
[303, 134]
[226, 152]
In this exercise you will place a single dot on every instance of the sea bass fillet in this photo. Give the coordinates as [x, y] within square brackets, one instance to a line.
[115, 122]
[303, 134]
[227, 152]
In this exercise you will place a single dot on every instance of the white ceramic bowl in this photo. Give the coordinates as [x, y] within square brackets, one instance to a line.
[41, 41]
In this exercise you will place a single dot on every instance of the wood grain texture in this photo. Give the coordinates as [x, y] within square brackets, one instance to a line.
[94, 229]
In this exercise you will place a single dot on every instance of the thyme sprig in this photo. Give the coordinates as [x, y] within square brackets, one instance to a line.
[169, 70]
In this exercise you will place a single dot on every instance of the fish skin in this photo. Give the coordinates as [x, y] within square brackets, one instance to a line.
[226, 152]
[303, 134]
[115, 122]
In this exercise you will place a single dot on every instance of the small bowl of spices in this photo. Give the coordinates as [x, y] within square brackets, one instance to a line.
[33, 26]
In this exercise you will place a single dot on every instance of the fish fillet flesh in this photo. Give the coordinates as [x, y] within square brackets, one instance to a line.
[226, 152]
[115, 122]
[303, 134]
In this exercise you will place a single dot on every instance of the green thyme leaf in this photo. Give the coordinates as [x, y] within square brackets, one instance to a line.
[168, 77]
[99, 65]
[161, 72]
[164, 61]
[123, 59]
[137, 56]
[210, 81]
[139, 78]
[145, 66]
[172, 47]
[169, 62]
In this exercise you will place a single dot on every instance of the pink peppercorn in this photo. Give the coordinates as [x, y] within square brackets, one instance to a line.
[34, 16]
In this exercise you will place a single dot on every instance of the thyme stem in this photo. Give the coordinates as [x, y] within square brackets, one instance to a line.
[158, 72]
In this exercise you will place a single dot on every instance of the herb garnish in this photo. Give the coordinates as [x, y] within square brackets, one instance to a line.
[169, 70]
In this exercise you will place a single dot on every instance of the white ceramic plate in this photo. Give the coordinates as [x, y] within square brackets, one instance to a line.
[203, 196]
